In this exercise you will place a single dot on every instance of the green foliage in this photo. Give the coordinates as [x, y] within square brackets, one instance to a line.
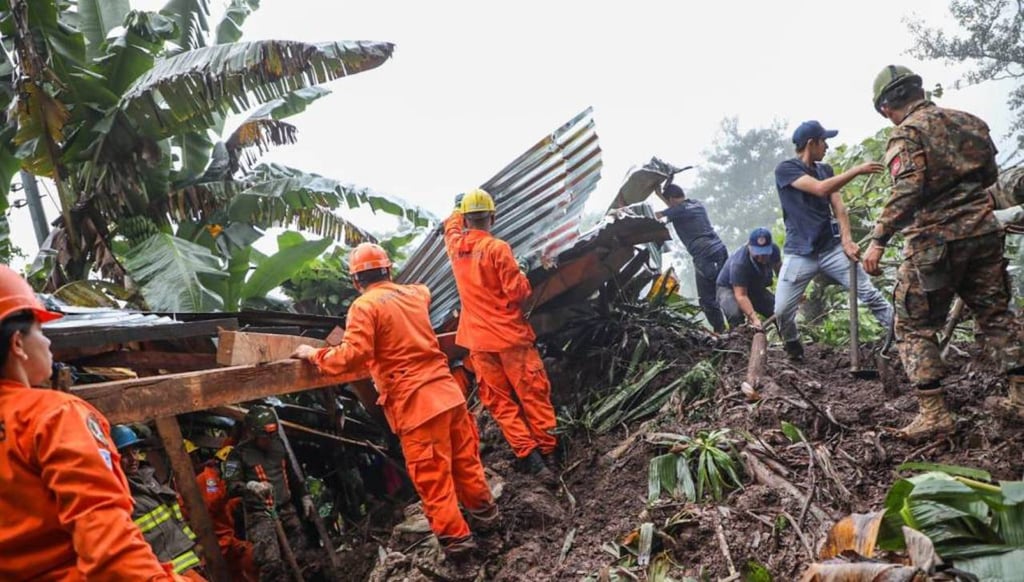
[322, 287]
[168, 268]
[977, 526]
[710, 452]
[8, 251]
[104, 115]
[991, 38]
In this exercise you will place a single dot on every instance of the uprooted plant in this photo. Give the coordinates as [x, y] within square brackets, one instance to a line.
[694, 466]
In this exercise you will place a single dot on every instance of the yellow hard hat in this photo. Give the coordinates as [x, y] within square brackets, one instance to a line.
[190, 447]
[477, 200]
[223, 452]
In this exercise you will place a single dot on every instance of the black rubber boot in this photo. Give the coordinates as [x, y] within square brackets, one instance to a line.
[794, 350]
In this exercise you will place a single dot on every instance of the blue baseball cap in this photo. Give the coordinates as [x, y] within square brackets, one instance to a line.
[811, 130]
[760, 242]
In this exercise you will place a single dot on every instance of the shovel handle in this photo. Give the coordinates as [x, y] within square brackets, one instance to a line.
[854, 321]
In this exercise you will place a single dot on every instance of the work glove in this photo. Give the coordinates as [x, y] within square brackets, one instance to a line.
[307, 505]
[1010, 215]
[458, 200]
[260, 489]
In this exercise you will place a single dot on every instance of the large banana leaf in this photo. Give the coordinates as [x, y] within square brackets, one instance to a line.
[264, 128]
[168, 270]
[300, 189]
[191, 17]
[189, 90]
[98, 17]
[280, 267]
[230, 28]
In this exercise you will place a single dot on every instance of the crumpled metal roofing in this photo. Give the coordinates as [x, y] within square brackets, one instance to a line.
[540, 198]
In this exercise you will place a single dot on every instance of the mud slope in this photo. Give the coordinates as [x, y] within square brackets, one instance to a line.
[564, 534]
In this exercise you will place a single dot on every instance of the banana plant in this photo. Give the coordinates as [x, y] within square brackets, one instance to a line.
[176, 275]
[124, 110]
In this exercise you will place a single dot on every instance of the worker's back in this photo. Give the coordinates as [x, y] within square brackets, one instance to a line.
[406, 358]
[491, 290]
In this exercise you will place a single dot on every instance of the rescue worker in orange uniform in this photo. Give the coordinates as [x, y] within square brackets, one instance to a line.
[65, 508]
[492, 289]
[237, 553]
[388, 330]
[157, 511]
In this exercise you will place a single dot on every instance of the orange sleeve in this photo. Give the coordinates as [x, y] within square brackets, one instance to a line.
[93, 502]
[453, 226]
[514, 283]
[356, 347]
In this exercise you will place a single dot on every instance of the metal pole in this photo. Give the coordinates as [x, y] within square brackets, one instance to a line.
[35, 207]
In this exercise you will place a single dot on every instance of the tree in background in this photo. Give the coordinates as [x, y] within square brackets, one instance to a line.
[991, 39]
[736, 181]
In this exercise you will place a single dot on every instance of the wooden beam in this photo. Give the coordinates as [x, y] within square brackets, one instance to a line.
[145, 399]
[198, 517]
[107, 335]
[152, 360]
[239, 348]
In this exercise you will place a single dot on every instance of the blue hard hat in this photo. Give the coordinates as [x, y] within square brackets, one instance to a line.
[124, 436]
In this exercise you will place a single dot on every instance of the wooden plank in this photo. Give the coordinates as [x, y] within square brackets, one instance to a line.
[240, 348]
[108, 335]
[145, 399]
[198, 517]
[153, 360]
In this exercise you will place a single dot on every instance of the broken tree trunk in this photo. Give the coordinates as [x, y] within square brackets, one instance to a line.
[199, 518]
[756, 363]
[240, 348]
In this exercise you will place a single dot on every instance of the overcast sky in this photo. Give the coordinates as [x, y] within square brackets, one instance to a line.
[473, 84]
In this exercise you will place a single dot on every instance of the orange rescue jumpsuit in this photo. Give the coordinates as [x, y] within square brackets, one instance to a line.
[237, 553]
[388, 329]
[65, 506]
[499, 339]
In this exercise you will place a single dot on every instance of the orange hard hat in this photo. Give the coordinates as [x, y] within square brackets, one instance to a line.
[367, 257]
[16, 295]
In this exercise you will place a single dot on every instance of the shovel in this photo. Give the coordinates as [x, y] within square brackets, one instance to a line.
[855, 368]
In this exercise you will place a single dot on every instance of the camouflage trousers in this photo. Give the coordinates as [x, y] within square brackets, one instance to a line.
[929, 280]
[266, 551]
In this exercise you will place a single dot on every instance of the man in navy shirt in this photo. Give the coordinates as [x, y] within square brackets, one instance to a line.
[745, 281]
[818, 238]
[690, 220]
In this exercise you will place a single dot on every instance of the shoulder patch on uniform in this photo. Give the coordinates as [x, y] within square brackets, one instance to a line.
[231, 468]
[107, 459]
[895, 166]
[211, 486]
[96, 429]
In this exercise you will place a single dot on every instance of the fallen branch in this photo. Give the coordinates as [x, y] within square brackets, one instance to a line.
[566, 546]
[765, 476]
[800, 534]
[724, 547]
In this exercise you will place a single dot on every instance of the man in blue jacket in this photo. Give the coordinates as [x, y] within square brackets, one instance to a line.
[691, 222]
[818, 238]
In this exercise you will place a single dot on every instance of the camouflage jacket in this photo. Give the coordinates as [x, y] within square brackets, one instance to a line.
[941, 160]
[247, 462]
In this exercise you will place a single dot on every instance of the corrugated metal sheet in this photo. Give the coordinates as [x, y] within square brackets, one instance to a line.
[540, 198]
[86, 317]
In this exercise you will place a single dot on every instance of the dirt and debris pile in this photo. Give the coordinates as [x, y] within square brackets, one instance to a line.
[813, 450]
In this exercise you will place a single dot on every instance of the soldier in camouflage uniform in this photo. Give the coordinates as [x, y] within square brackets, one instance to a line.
[1007, 196]
[257, 470]
[941, 161]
